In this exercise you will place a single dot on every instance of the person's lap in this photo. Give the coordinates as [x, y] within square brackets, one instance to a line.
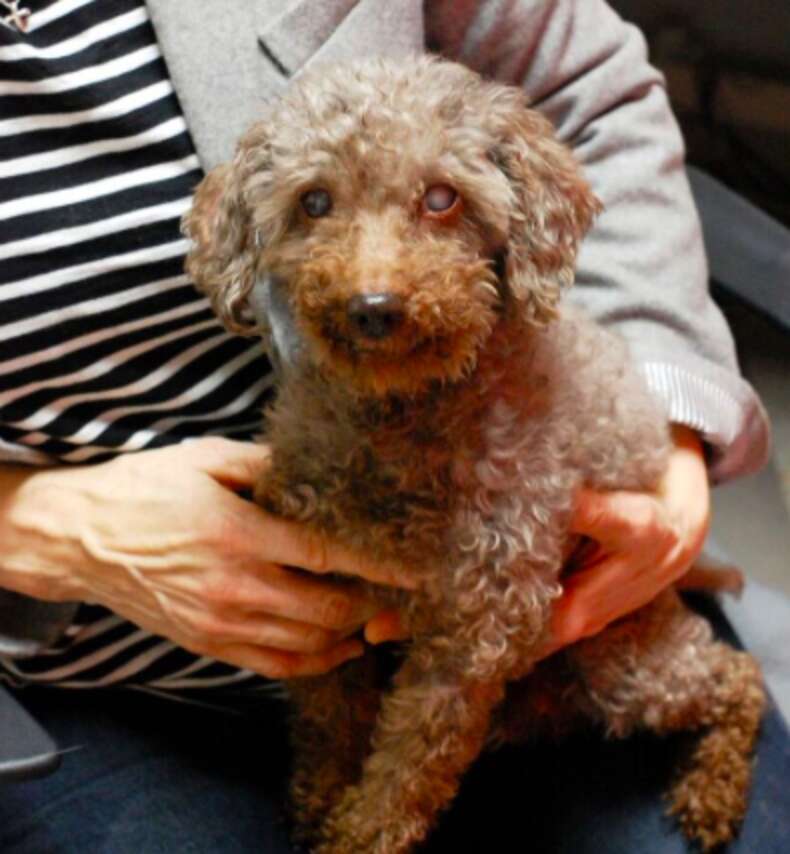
[148, 776]
[156, 776]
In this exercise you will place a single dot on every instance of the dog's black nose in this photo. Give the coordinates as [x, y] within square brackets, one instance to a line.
[375, 315]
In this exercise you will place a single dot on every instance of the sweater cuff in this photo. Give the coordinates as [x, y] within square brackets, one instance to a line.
[732, 421]
[28, 626]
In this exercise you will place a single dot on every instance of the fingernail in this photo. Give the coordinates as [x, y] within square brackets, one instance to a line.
[371, 635]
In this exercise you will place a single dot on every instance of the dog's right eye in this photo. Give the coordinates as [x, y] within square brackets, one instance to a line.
[316, 203]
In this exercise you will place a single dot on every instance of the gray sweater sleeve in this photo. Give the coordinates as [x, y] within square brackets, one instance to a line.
[642, 269]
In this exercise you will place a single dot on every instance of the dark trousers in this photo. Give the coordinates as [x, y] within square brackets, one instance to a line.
[155, 776]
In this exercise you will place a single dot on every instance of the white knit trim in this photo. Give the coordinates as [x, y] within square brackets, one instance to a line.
[695, 401]
[737, 431]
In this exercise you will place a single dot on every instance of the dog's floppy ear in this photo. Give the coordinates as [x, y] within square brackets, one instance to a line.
[551, 207]
[222, 260]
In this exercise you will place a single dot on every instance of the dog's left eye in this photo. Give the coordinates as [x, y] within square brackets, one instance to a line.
[440, 201]
[316, 203]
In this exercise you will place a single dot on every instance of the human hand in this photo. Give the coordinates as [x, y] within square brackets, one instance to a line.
[162, 538]
[642, 543]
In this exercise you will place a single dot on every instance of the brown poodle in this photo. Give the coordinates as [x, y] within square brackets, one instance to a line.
[407, 230]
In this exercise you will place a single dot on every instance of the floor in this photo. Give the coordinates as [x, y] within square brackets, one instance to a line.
[751, 519]
[751, 516]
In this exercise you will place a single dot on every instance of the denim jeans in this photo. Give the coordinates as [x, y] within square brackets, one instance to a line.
[155, 776]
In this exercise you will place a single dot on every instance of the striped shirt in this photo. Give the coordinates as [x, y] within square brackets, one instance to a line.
[105, 346]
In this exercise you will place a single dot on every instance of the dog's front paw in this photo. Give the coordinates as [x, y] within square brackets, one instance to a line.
[709, 800]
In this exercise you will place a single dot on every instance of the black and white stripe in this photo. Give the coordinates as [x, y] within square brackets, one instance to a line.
[101, 650]
[105, 346]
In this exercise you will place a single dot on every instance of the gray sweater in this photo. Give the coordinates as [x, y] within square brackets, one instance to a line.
[642, 269]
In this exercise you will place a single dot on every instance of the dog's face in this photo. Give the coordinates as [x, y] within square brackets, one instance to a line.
[406, 207]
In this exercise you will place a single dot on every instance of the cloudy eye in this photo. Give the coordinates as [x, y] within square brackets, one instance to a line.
[440, 200]
[316, 203]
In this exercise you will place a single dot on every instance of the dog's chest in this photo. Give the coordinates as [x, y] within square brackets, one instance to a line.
[394, 496]
[402, 484]
[380, 481]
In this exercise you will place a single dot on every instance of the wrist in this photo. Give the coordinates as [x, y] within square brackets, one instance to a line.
[686, 488]
[686, 437]
[35, 554]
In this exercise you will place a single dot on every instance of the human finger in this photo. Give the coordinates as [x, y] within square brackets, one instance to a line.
[265, 630]
[385, 626]
[236, 465]
[618, 518]
[596, 597]
[711, 575]
[280, 664]
[246, 585]
[292, 543]
[334, 604]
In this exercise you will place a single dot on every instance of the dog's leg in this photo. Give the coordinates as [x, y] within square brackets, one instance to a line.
[436, 719]
[661, 670]
[430, 728]
[333, 717]
[710, 795]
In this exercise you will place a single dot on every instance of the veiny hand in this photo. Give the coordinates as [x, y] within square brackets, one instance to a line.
[643, 543]
[162, 538]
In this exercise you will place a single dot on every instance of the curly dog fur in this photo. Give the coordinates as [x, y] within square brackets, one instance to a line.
[438, 408]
